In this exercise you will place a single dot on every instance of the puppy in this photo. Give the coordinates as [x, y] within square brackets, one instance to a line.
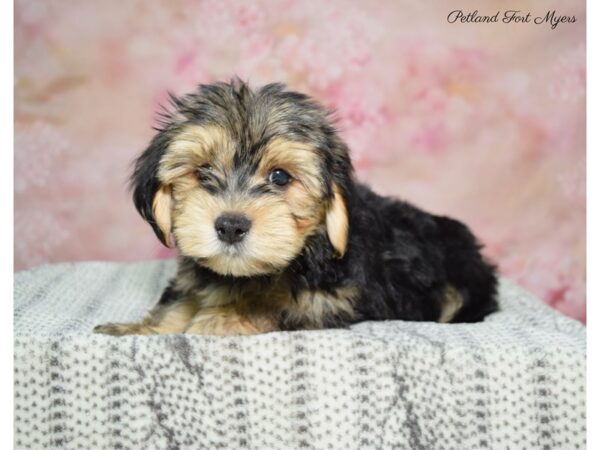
[256, 191]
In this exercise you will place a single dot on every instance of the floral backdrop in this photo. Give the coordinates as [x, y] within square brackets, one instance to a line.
[481, 121]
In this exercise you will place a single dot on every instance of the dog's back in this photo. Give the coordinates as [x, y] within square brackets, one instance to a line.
[417, 266]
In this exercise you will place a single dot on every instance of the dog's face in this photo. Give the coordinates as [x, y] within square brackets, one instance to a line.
[239, 179]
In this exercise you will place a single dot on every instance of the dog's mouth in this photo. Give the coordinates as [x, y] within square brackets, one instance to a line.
[233, 250]
[236, 259]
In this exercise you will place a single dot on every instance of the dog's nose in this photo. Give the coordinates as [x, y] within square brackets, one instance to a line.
[232, 228]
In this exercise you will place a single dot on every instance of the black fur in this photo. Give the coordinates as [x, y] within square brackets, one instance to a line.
[399, 257]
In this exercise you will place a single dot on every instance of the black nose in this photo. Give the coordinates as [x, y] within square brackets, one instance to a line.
[232, 228]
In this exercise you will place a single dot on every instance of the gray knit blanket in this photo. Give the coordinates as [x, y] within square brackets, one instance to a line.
[515, 381]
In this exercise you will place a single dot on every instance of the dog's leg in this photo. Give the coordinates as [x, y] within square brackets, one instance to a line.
[162, 319]
[226, 321]
[452, 303]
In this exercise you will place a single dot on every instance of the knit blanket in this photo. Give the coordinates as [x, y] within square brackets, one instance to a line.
[516, 380]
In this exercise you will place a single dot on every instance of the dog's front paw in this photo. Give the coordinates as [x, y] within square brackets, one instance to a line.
[123, 329]
[225, 322]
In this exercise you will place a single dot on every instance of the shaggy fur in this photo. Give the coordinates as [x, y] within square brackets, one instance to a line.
[312, 249]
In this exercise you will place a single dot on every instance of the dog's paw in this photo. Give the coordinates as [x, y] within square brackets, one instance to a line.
[222, 323]
[122, 329]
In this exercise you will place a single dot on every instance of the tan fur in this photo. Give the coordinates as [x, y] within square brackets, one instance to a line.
[453, 302]
[337, 222]
[194, 146]
[161, 209]
[162, 319]
[307, 209]
[303, 195]
[313, 307]
[300, 160]
[227, 321]
[272, 242]
[280, 224]
[219, 310]
[254, 310]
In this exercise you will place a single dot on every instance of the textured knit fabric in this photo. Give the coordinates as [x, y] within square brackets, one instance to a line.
[515, 381]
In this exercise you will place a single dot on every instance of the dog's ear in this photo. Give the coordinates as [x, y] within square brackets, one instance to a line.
[336, 221]
[161, 209]
[338, 169]
[151, 198]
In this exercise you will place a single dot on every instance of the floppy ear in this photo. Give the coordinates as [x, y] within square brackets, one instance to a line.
[336, 221]
[161, 209]
[341, 172]
[151, 198]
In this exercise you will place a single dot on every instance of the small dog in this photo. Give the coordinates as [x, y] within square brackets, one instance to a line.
[256, 191]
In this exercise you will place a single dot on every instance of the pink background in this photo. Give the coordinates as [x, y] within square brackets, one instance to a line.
[485, 122]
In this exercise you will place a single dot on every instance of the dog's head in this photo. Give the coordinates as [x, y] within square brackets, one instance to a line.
[239, 179]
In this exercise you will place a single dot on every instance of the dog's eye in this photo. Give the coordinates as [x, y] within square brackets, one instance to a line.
[204, 172]
[279, 177]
